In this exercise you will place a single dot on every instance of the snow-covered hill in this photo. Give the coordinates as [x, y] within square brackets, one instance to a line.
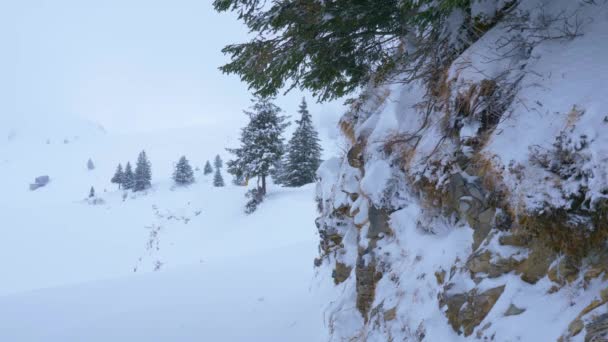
[173, 263]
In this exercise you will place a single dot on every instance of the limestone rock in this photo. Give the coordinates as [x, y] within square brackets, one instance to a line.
[513, 240]
[482, 263]
[390, 314]
[440, 276]
[341, 273]
[576, 327]
[355, 157]
[597, 330]
[367, 278]
[467, 310]
[565, 271]
[514, 310]
[378, 223]
[537, 265]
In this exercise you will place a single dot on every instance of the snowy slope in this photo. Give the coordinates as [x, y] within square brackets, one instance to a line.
[168, 264]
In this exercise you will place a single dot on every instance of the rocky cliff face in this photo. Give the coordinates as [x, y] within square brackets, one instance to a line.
[475, 206]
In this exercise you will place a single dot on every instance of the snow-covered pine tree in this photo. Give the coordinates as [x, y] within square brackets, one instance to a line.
[217, 162]
[303, 152]
[278, 173]
[92, 192]
[183, 174]
[90, 164]
[143, 173]
[128, 177]
[218, 180]
[119, 176]
[261, 143]
[208, 169]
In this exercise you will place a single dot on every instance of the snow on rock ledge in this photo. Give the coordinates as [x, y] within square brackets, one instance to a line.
[487, 216]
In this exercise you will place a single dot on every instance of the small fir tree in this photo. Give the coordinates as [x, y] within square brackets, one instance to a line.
[183, 174]
[119, 176]
[208, 169]
[218, 180]
[143, 173]
[303, 152]
[128, 178]
[90, 164]
[92, 192]
[218, 163]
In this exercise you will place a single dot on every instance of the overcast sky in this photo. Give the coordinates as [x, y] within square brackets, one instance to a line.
[126, 64]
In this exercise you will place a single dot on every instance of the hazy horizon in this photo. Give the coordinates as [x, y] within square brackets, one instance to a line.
[136, 66]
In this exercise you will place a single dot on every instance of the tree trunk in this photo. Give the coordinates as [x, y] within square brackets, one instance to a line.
[264, 184]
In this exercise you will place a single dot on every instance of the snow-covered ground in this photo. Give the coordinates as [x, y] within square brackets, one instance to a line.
[179, 264]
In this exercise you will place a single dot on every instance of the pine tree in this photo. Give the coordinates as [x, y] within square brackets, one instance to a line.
[143, 173]
[218, 180]
[218, 163]
[92, 192]
[208, 169]
[183, 173]
[119, 176]
[333, 48]
[303, 152]
[90, 164]
[128, 178]
[278, 173]
[261, 143]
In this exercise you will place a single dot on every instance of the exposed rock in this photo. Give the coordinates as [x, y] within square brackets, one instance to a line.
[367, 277]
[513, 240]
[565, 271]
[467, 310]
[378, 223]
[482, 263]
[536, 266]
[390, 314]
[482, 226]
[514, 310]
[341, 273]
[597, 330]
[576, 327]
[440, 276]
[355, 157]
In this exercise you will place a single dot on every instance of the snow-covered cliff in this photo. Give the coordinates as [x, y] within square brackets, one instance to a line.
[475, 205]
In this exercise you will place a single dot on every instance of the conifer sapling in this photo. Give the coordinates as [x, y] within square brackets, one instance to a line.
[119, 176]
[208, 169]
[143, 173]
[183, 174]
[218, 180]
[128, 177]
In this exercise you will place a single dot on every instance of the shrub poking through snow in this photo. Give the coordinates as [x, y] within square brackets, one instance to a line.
[92, 192]
[183, 174]
[218, 180]
[39, 182]
[90, 164]
[208, 169]
[256, 196]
